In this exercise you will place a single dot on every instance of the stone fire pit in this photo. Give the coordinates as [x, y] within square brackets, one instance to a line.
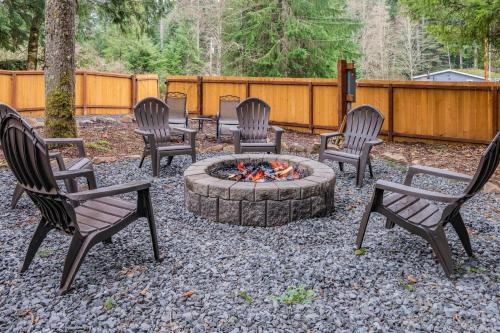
[264, 204]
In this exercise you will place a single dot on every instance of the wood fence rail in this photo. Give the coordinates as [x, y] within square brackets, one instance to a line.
[445, 111]
[96, 93]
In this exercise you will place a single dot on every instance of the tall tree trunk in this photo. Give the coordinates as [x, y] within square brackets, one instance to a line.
[486, 59]
[60, 68]
[34, 37]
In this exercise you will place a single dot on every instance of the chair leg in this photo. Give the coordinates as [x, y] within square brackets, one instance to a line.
[18, 192]
[459, 226]
[91, 182]
[341, 166]
[370, 168]
[40, 234]
[360, 173]
[363, 225]
[193, 158]
[155, 162]
[148, 209]
[78, 249]
[169, 160]
[439, 243]
[142, 160]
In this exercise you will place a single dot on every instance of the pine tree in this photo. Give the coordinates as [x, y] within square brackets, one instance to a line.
[295, 38]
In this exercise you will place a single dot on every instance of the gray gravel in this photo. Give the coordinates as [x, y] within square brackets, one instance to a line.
[208, 267]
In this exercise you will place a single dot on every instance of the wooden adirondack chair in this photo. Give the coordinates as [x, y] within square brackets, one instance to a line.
[178, 115]
[98, 215]
[362, 126]
[67, 171]
[416, 211]
[152, 116]
[227, 117]
[253, 123]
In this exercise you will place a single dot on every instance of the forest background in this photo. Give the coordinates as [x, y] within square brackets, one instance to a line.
[387, 39]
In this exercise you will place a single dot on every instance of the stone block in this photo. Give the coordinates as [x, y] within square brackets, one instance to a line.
[242, 191]
[278, 213]
[300, 209]
[208, 207]
[229, 211]
[220, 188]
[318, 206]
[192, 201]
[288, 190]
[266, 191]
[253, 213]
[308, 188]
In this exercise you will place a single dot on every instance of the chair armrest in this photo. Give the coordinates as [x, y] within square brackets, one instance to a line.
[78, 142]
[324, 139]
[58, 157]
[415, 192]
[190, 133]
[277, 129]
[375, 142]
[416, 169]
[330, 135]
[70, 174]
[184, 130]
[109, 191]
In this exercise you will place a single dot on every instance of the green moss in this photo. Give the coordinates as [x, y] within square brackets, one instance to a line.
[60, 111]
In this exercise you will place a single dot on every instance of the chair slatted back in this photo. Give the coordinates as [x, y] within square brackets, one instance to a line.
[227, 108]
[151, 115]
[253, 119]
[5, 110]
[176, 102]
[28, 158]
[487, 166]
[362, 124]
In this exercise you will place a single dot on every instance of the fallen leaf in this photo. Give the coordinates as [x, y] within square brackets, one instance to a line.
[188, 294]
[144, 291]
[411, 279]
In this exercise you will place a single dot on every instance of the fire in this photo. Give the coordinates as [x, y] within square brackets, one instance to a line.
[266, 171]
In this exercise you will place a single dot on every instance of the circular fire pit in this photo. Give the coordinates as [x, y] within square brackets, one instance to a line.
[259, 189]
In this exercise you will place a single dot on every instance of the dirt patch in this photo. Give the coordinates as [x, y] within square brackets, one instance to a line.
[109, 142]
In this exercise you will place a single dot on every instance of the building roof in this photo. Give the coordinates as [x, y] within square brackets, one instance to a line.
[449, 71]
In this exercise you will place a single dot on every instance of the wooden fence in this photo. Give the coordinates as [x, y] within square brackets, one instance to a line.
[96, 93]
[446, 111]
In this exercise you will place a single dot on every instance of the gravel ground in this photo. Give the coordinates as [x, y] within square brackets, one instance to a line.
[227, 278]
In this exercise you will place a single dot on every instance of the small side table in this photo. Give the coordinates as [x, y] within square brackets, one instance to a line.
[201, 121]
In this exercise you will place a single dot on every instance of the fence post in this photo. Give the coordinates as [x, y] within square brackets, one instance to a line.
[84, 92]
[200, 95]
[341, 90]
[134, 91]
[494, 109]
[391, 113]
[166, 88]
[311, 108]
[247, 87]
[13, 90]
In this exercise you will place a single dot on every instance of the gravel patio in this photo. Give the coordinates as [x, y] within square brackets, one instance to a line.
[302, 277]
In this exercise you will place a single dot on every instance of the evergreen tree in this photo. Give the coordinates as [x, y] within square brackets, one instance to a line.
[296, 38]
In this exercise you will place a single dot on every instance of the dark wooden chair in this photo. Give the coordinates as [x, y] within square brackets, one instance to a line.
[152, 116]
[67, 171]
[362, 126]
[253, 123]
[89, 216]
[227, 117]
[416, 210]
[178, 115]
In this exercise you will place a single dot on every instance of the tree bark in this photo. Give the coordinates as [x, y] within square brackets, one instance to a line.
[34, 37]
[60, 68]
